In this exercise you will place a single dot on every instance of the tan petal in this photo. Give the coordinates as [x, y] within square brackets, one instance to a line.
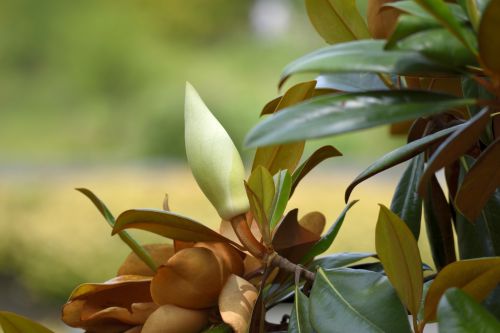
[192, 279]
[172, 319]
[140, 312]
[136, 329]
[124, 281]
[180, 245]
[231, 257]
[314, 222]
[236, 302]
[133, 265]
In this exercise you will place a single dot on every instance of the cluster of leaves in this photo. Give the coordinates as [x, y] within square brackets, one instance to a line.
[433, 74]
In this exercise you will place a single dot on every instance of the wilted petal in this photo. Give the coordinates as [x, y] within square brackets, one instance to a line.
[236, 302]
[133, 265]
[232, 258]
[172, 319]
[140, 312]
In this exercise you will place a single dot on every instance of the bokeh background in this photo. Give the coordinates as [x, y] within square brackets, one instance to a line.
[91, 95]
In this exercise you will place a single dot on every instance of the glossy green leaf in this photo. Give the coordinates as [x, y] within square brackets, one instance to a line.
[167, 224]
[299, 319]
[341, 259]
[439, 45]
[438, 222]
[14, 323]
[324, 243]
[409, 25]
[221, 328]
[406, 203]
[312, 161]
[455, 146]
[399, 254]
[262, 184]
[259, 213]
[480, 182]
[351, 82]
[286, 156]
[337, 20]
[366, 56]
[331, 115]
[459, 313]
[411, 7]
[489, 43]
[476, 277]
[440, 10]
[282, 194]
[339, 302]
[124, 236]
[399, 155]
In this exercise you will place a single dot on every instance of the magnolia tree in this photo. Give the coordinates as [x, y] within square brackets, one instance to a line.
[432, 71]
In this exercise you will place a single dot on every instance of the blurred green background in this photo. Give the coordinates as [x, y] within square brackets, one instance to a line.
[91, 94]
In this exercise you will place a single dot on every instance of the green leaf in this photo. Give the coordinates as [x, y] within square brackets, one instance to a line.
[480, 182]
[299, 319]
[282, 194]
[399, 254]
[399, 155]
[443, 13]
[331, 115]
[411, 7]
[341, 259]
[324, 243]
[347, 300]
[409, 25]
[316, 158]
[14, 323]
[455, 146]
[362, 57]
[406, 202]
[168, 224]
[124, 236]
[438, 222]
[439, 45]
[337, 20]
[351, 82]
[262, 184]
[489, 44]
[477, 277]
[281, 157]
[459, 313]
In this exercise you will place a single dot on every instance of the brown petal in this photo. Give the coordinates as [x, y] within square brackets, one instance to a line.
[192, 278]
[236, 302]
[140, 312]
[136, 329]
[231, 257]
[133, 265]
[172, 319]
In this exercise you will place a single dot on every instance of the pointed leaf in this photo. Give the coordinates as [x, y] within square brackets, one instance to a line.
[489, 44]
[324, 243]
[316, 158]
[299, 319]
[287, 156]
[365, 56]
[14, 323]
[339, 303]
[283, 190]
[399, 254]
[459, 313]
[480, 182]
[445, 16]
[124, 236]
[455, 146]
[167, 224]
[399, 155]
[438, 222]
[406, 202]
[409, 25]
[476, 277]
[351, 82]
[262, 184]
[341, 259]
[337, 20]
[331, 115]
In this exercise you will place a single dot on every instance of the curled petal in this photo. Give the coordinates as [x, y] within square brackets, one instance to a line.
[236, 302]
[173, 319]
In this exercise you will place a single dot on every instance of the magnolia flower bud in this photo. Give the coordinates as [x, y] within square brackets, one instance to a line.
[213, 158]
